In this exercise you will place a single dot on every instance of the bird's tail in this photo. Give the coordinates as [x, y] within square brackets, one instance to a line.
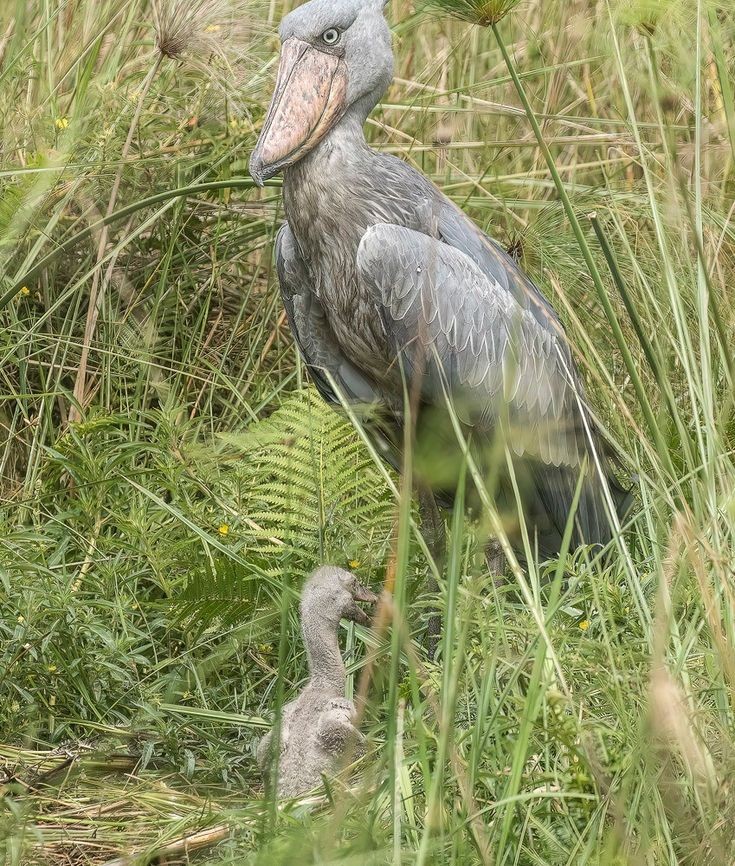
[551, 492]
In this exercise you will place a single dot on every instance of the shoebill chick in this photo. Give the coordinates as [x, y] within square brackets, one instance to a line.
[318, 727]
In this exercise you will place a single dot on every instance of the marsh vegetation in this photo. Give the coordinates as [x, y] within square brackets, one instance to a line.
[169, 476]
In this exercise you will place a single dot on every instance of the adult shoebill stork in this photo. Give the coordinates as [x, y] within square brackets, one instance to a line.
[384, 278]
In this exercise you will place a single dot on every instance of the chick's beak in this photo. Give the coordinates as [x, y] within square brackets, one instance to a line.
[355, 612]
[362, 593]
[309, 98]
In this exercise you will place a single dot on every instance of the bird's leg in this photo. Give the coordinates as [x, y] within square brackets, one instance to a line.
[432, 528]
[495, 560]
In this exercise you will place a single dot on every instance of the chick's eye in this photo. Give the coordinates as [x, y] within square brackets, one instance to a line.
[331, 36]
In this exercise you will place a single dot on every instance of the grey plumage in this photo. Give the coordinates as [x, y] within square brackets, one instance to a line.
[382, 277]
[317, 728]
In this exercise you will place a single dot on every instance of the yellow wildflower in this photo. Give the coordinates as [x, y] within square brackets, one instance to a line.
[584, 625]
[61, 122]
[224, 529]
[21, 619]
[354, 563]
[24, 290]
[52, 669]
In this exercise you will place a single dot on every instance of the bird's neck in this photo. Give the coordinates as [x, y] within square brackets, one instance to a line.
[326, 667]
[343, 151]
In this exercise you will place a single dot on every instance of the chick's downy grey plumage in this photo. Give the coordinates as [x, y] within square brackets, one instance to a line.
[382, 276]
[318, 728]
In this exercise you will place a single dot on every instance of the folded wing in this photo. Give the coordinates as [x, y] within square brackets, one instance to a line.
[493, 344]
[451, 321]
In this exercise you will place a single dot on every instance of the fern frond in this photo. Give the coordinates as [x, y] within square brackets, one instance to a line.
[307, 491]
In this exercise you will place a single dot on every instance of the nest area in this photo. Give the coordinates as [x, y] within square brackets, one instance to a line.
[83, 806]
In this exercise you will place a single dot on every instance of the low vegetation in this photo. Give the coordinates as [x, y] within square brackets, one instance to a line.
[169, 476]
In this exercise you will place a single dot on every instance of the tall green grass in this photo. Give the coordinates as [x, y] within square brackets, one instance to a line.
[168, 479]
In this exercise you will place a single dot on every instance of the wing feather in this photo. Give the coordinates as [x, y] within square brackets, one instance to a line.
[450, 318]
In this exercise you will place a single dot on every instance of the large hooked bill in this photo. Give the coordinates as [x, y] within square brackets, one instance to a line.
[309, 98]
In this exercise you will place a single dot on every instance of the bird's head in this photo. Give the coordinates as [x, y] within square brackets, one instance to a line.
[335, 56]
[332, 594]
